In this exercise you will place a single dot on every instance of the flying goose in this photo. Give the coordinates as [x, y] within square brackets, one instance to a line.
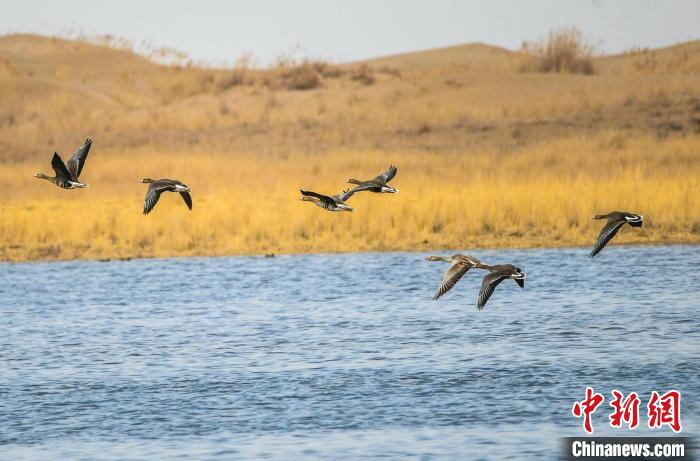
[332, 203]
[156, 187]
[378, 184]
[67, 174]
[616, 220]
[460, 264]
[496, 275]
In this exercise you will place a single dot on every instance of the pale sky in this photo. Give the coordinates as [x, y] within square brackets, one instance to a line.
[221, 31]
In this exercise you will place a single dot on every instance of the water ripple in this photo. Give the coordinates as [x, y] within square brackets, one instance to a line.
[335, 356]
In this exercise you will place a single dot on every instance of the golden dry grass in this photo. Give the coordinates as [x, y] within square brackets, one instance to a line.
[487, 156]
[249, 204]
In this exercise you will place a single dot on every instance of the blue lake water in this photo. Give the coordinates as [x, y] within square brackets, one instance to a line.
[338, 356]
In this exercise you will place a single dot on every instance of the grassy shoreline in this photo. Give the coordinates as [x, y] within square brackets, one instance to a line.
[423, 251]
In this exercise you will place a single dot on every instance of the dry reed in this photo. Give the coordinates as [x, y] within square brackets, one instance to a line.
[243, 204]
[563, 51]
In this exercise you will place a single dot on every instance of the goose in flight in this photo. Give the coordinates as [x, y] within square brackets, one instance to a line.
[378, 184]
[156, 187]
[616, 220]
[459, 265]
[332, 203]
[67, 174]
[496, 275]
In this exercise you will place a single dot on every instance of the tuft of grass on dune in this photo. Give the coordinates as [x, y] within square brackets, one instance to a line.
[565, 50]
[250, 204]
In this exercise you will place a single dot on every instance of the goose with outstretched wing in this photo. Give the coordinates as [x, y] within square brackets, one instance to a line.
[330, 203]
[496, 275]
[377, 185]
[68, 174]
[459, 265]
[158, 186]
[616, 220]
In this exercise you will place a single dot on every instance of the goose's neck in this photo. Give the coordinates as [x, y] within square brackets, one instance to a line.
[439, 258]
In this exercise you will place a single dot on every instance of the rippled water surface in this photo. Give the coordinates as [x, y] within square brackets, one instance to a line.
[337, 356]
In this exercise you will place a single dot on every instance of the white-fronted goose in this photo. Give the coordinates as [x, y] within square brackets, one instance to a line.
[67, 174]
[616, 220]
[496, 275]
[377, 185]
[330, 203]
[158, 186]
[460, 264]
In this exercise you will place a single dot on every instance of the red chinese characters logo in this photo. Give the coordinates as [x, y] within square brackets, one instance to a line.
[587, 407]
[626, 410]
[665, 410]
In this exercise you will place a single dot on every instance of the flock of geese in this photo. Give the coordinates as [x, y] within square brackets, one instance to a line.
[378, 185]
[460, 264]
[68, 174]
[68, 177]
